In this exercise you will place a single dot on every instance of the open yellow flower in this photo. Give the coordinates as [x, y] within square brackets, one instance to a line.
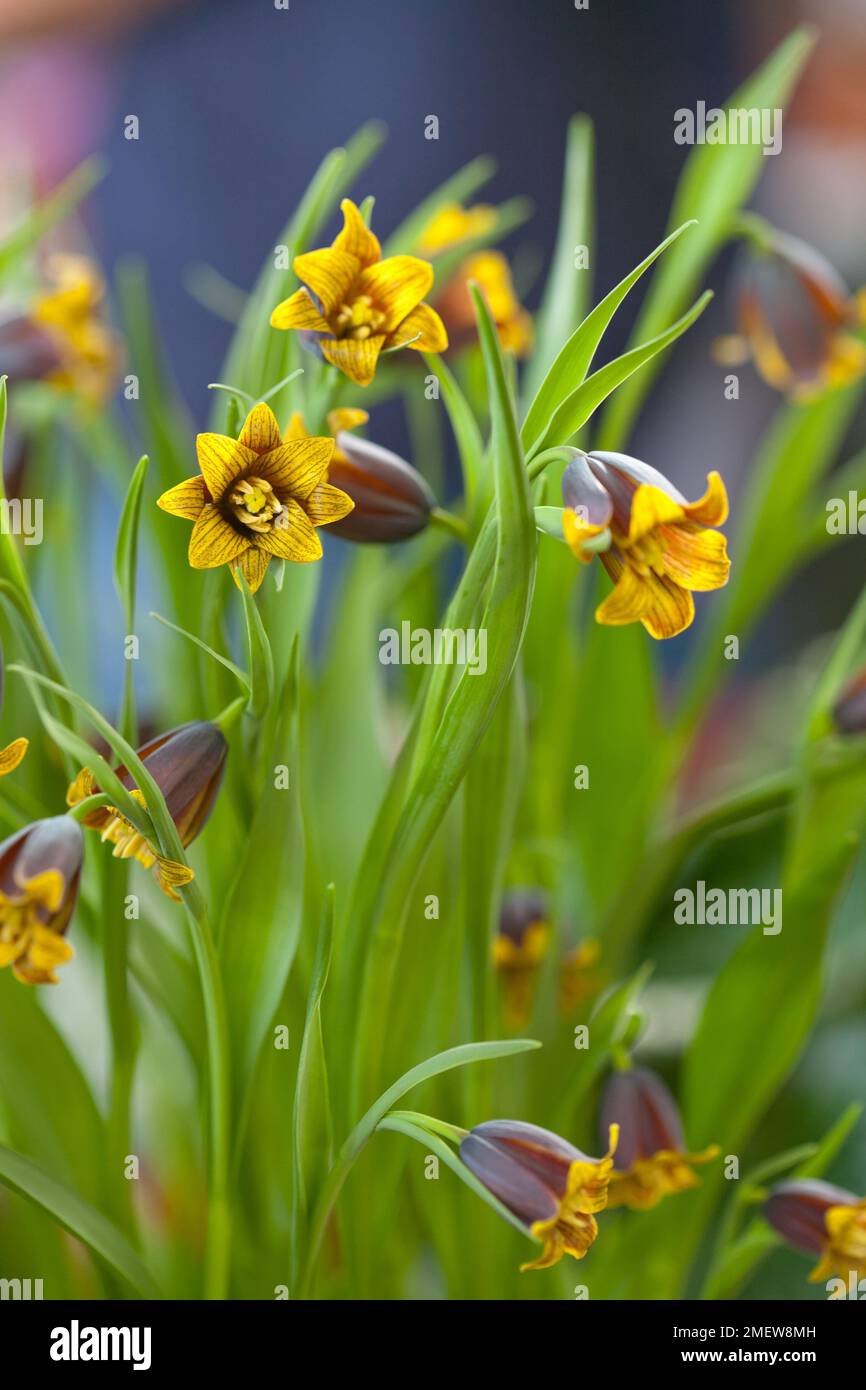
[491, 272]
[71, 313]
[453, 224]
[355, 305]
[656, 546]
[258, 496]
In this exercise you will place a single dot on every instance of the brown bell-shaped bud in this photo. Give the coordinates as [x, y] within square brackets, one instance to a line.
[187, 765]
[798, 1210]
[27, 351]
[651, 1161]
[849, 711]
[392, 500]
[40, 868]
[552, 1188]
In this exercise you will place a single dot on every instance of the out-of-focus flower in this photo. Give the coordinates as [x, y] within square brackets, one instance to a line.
[652, 1161]
[353, 305]
[391, 500]
[579, 979]
[656, 546]
[40, 867]
[794, 316]
[27, 351]
[453, 224]
[520, 945]
[552, 1188]
[821, 1220]
[491, 272]
[258, 496]
[70, 313]
[849, 711]
[187, 765]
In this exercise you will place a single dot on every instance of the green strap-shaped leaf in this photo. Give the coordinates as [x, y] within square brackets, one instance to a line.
[312, 1127]
[79, 1218]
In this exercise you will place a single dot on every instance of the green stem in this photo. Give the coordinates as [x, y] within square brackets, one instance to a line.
[123, 1034]
[454, 525]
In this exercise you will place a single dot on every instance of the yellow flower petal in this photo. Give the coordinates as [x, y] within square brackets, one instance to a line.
[297, 540]
[12, 755]
[330, 275]
[48, 949]
[214, 541]
[671, 609]
[261, 431]
[296, 429]
[253, 565]
[356, 357]
[171, 875]
[185, 499]
[424, 326]
[576, 532]
[45, 888]
[297, 466]
[712, 508]
[222, 460]
[453, 224]
[630, 598]
[298, 311]
[396, 286]
[695, 558]
[356, 237]
[346, 418]
[651, 507]
[327, 504]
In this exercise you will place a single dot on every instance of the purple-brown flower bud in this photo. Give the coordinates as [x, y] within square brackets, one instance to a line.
[552, 1188]
[519, 947]
[187, 765]
[40, 868]
[28, 352]
[652, 1161]
[821, 1219]
[849, 711]
[392, 500]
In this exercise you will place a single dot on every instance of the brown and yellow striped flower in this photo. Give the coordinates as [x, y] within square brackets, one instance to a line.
[824, 1220]
[71, 313]
[795, 318]
[187, 765]
[354, 305]
[40, 867]
[552, 1188]
[652, 1161]
[656, 546]
[257, 497]
[519, 946]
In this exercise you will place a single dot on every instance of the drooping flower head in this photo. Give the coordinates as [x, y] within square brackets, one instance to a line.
[490, 271]
[40, 867]
[552, 1188]
[656, 546]
[391, 501]
[795, 317]
[354, 305]
[651, 1161]
[256, 497]
[579, 976]
[822, 1220]
[187, 765]
[519, 946]
[71, 313]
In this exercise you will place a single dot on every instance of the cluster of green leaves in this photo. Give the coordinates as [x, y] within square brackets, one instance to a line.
[304, 973]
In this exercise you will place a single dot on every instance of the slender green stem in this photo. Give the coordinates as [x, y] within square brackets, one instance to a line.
[454, 525]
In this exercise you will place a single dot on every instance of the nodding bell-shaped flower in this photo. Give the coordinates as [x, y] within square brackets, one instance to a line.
[656, 546]
[490, 271]
[40, 868]
[187, 765]
[651, 1161]
[795, 318]
[70, 312]
[821, 1220]
[520, 945]
[552, 1188]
